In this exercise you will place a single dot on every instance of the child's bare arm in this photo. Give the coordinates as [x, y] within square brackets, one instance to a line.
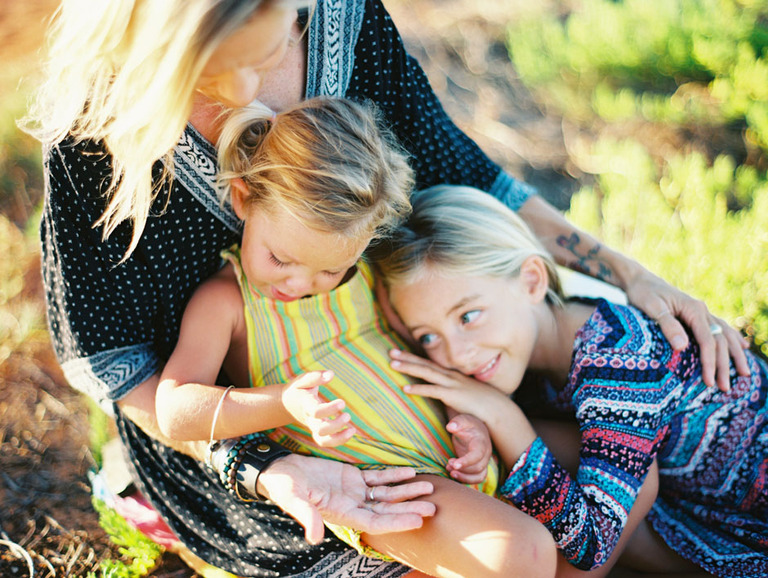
[187, 397]
[212, 331]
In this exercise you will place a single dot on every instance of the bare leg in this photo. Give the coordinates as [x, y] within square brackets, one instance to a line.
[472, 535]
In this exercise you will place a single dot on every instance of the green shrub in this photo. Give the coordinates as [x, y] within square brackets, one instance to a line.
[140, 554]
[676, 61]
[688, 76]
[678, 223]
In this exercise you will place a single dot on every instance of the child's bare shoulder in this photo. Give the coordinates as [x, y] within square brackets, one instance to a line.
[219, 293]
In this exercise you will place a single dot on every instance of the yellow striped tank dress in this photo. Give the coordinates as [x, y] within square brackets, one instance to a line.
[344, 331]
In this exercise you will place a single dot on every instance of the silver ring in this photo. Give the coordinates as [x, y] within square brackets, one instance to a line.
[715, 329]
[371, 491]
[662, 314]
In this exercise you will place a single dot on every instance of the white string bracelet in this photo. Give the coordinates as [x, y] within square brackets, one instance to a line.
[213, 424]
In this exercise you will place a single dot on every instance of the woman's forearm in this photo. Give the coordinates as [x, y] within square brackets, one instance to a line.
[576, 249]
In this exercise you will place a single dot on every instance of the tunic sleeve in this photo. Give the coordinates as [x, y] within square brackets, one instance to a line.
[622, 391]
[440, 152]
[99, 319]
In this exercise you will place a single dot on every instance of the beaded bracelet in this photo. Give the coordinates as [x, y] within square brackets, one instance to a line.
[240, 462]
[234, 459]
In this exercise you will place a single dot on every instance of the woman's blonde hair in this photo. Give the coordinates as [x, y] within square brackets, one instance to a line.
[329, 161]
[123, 72]
[461, 231]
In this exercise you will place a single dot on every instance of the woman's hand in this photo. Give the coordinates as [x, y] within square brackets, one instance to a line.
[473, 448]
[328, 422]
[718, 341]
[654, 296]
[315, 489]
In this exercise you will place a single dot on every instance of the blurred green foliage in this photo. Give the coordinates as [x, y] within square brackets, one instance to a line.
[21, 180]
[674, 96]
[140, 555]
[638, 57]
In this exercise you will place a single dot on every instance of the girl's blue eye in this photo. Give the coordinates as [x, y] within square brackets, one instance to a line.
[470, 316]
[275, 261]
[427, 339]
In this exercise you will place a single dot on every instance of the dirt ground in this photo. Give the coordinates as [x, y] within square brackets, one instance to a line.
[44, 434]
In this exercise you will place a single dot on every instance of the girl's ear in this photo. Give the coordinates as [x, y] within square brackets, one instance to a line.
[535, 278]
[239, 194]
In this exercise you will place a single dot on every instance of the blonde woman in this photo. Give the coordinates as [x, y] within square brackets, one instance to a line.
[129, 113]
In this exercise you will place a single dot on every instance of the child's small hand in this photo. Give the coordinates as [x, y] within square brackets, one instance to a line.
[456, 390]
[473, 447]
[327, 421]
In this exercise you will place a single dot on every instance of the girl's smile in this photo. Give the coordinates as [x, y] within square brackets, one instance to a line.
[491, 328]
[487, 372]
[485, 327]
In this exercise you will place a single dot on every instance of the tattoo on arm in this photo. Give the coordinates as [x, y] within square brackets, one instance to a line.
[588, 263]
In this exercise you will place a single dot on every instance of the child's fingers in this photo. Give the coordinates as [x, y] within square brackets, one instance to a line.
[466, 478]
[426, 390]
[330, 409]
[334, 439]
[331, 426]
[473, 462]
[431, 373]
[312, 379]
[411, 358]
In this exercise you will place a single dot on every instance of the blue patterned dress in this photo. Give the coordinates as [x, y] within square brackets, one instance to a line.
[637, 400]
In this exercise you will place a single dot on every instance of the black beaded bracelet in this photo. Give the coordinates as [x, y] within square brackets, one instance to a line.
[240, 464]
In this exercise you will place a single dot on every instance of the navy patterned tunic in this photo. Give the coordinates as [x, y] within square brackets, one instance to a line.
[637, 400]
[114, 325]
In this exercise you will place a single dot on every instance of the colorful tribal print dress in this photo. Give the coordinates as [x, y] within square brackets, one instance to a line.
[637, 400]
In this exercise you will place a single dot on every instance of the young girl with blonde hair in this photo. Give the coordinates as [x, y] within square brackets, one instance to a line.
[482, 297]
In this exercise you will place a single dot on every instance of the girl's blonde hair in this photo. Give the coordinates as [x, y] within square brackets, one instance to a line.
[123, 72]
[461, 231]
[329, 161]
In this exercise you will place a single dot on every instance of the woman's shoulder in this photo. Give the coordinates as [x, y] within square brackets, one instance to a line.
[73, 165]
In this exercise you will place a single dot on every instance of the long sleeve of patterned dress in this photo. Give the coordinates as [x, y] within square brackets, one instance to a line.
[622, 392]
[440, 152]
